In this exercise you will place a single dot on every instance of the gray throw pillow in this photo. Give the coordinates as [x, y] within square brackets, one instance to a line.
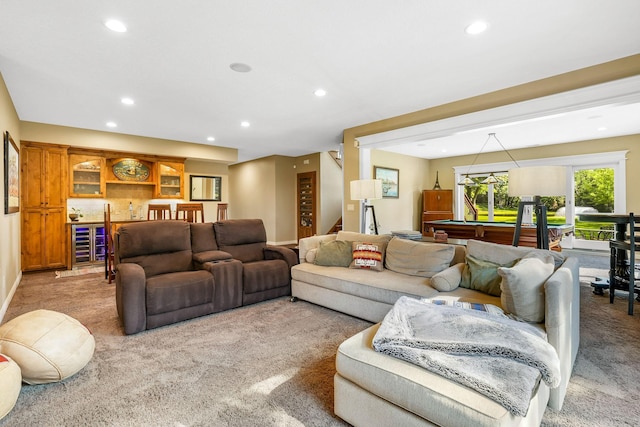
[336, 253]
[418, 258]
[482, 276]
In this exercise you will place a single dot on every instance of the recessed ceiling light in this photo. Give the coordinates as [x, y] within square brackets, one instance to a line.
[111, 124]
[210, 139]
[115, 25]
[240, 67]
[476, 28]
[127, 101]
[601, 128]
[320, 92]
[245, 124]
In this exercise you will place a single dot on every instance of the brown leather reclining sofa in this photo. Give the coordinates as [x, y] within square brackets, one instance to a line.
[169, 271]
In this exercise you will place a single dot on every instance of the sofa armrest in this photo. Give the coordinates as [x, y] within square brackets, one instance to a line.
[210, 256]
[130, 297]
[281, 252]
[308, 243]
[562, 321]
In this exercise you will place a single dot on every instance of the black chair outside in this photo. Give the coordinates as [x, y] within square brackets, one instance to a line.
[622, 269]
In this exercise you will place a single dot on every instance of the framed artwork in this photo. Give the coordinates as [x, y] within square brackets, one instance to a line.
[390, 181]
[11, 175]
[205, 188]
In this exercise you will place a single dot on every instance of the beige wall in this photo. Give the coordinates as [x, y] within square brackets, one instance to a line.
[405, 212]
[204, 168]
[10, 268]
[614, 70]
[265, 189]
[84, 138]
[630, 143]
[330, 192]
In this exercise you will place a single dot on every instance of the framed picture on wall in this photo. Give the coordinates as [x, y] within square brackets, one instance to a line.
[205, 188]
[390, 181]
[11, 175]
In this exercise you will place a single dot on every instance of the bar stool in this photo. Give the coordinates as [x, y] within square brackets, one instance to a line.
[109, 257]
[222, 211]
[159, 211]
[189, 212]
[621, 271]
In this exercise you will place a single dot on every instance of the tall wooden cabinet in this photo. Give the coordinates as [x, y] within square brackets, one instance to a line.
[43, 172]
[436, 204]
[306, 204]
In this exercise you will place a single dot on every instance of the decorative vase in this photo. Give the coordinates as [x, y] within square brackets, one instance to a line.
[73, 217]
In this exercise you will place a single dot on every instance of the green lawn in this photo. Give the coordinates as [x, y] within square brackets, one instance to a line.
[504, 215]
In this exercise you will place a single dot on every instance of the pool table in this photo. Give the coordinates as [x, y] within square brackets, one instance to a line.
[496, 232]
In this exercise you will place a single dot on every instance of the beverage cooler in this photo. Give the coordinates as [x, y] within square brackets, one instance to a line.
[88, 244]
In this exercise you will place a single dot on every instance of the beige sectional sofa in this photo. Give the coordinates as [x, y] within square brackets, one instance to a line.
[372, 388]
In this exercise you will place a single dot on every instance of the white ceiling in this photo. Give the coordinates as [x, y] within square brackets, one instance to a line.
[375, 58]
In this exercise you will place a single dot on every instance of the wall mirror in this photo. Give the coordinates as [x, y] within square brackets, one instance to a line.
[205, 188]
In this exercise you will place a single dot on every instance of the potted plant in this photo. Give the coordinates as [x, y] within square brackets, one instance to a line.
[75, 215]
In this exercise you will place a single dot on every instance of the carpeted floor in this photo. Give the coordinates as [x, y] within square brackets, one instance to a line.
[272, 364]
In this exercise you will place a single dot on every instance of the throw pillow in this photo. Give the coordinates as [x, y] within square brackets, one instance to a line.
[418, 258]
[448, 279]
[453, 302]
[310, 257]
[523, 286]
[368, 256]
[336, 253]
[352, 236]
[482, 276]
[503, 254]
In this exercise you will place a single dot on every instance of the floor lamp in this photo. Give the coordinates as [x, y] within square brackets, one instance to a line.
[365, 190]
[536, 181]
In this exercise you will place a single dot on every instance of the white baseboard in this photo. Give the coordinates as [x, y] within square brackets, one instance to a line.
[5, 305]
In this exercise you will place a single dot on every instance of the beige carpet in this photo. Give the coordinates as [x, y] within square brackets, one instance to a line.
[270, 364]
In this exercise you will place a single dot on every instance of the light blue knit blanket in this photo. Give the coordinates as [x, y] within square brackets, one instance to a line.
[500, 358]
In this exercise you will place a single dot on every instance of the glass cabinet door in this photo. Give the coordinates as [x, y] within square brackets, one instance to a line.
[169, 180]
[86, 176]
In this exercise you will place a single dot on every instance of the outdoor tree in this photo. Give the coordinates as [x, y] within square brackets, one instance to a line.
[594, 188]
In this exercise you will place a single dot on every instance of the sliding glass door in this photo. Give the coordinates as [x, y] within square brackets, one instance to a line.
[595, 183]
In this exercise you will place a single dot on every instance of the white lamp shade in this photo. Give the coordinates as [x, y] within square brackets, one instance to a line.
[538, 181]
[366, 189]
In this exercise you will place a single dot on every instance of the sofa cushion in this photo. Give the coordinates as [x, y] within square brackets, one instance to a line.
[310, 243]
[153, 237]
[203, 237]
[175, 291]
[352, 236]
[418, 258]
[523, 286]
[385, 286]
[310, 256]
[368, 255]
[157, 246]
[211, 256]
[415, 389]
[156, 264]
[505, 254]
[264, 275]
[244, 239]
[336, 253]
[448, 279]
[482, 276]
